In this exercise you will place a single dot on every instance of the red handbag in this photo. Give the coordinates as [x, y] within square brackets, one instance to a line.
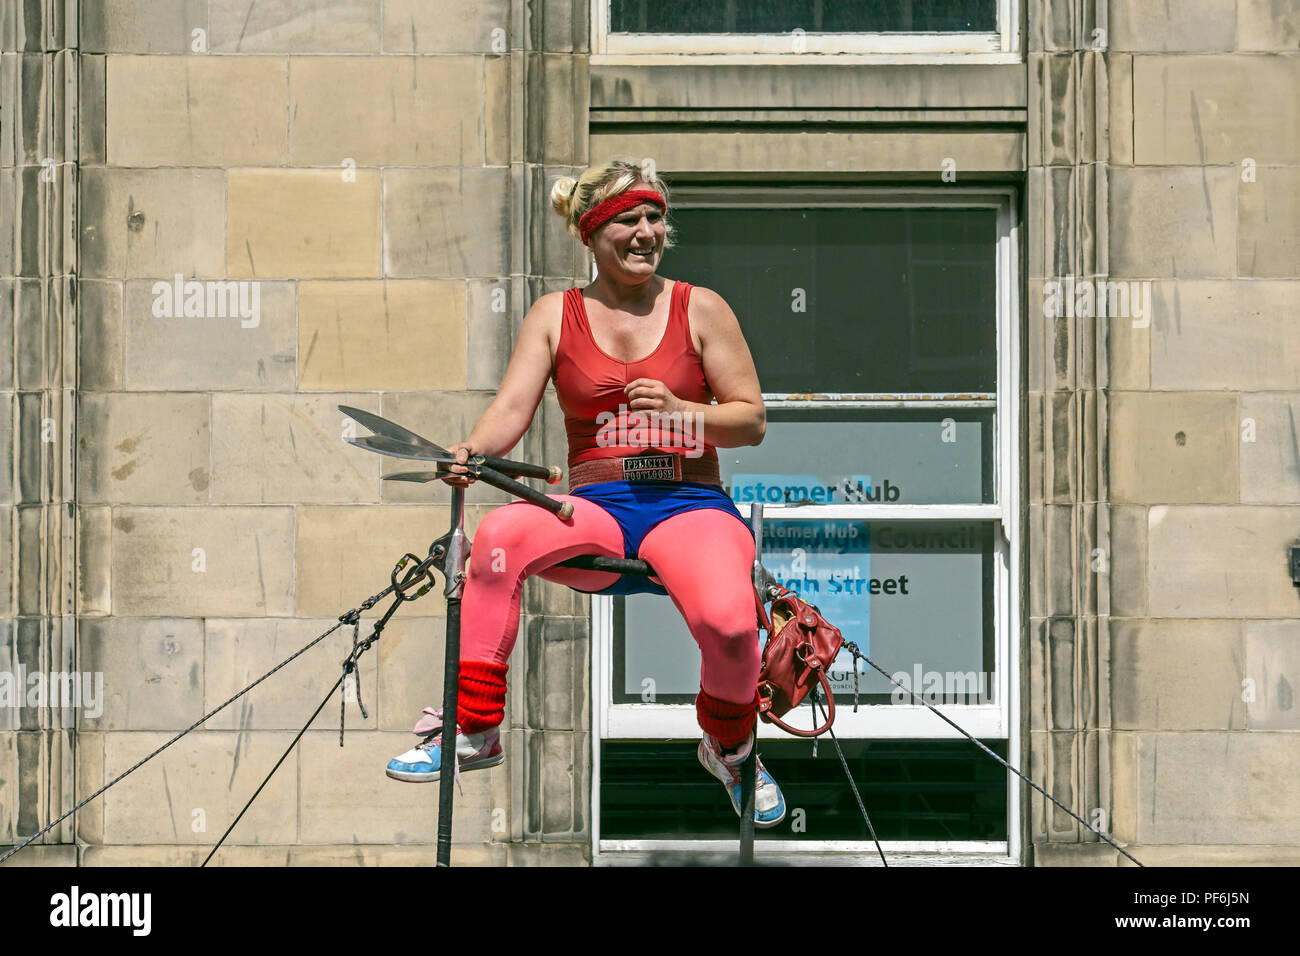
[801, 645]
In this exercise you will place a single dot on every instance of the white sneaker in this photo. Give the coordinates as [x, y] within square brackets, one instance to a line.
[769, 804]
[423, 762]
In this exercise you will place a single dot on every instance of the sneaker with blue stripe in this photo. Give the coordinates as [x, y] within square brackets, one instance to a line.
[423, 762]
[769, 804]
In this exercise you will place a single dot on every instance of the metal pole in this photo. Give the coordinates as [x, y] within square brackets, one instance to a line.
[457, 555]
[749, 769]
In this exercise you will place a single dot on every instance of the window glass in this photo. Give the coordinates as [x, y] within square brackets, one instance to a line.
[826, 455]
[915, 596]
[874, 330]
[813, 16]
[852, 300]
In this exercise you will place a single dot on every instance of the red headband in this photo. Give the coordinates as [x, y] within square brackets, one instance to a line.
[603, 213]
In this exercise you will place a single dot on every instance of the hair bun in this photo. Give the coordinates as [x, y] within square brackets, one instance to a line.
[562, 194]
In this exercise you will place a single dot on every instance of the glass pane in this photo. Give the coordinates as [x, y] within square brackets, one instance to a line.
[852, 300]
[825, 455]
[812, 16]
[915, 596]
[913, 790]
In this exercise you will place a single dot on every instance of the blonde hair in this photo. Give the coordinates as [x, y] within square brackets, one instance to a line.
[574, 198]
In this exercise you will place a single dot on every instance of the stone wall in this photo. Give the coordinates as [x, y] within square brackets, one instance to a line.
[1202, 459]
[1161, 460]
[38, 299]
[373, 177]
[181, 512]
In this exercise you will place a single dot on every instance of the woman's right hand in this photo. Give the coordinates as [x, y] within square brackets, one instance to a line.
[462, 451]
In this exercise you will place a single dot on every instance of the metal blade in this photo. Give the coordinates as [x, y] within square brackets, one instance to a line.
[383, 445]
[416, 476]
[382, 426]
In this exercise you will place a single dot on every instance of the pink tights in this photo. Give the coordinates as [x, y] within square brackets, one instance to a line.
[703, 558]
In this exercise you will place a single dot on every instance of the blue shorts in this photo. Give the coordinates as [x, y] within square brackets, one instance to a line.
[639, 506]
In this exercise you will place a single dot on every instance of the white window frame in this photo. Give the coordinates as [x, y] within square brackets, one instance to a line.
[999, 46]
[1000, 720]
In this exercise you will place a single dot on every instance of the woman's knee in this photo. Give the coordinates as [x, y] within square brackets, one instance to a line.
[501, 542]
[508, 527]
[727, 629]
[520, 538]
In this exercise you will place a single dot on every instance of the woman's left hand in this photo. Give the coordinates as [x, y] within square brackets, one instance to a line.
[648, 394]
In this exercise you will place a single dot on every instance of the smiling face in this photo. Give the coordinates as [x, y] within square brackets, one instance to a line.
[629, 245]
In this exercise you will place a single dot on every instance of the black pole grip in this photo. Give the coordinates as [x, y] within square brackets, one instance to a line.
[550, 474]
[563, 509]
[596, 562]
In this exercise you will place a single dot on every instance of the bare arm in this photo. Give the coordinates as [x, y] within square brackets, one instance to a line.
[740, 417]
[500, 427]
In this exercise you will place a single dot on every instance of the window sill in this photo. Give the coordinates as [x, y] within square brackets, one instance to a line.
[700, 83]
[872, 722]
[788, 853]
[678, 57]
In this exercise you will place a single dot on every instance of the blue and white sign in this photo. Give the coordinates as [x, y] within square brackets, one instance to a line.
[911, 594]
[809, 489]
[943, 460]
[828, 564]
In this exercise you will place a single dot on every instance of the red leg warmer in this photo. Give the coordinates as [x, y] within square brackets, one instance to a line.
[730, 723]
[481, 702]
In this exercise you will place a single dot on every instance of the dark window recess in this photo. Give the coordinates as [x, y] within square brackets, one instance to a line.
[852, 300]
[812, 16]
[935, 790]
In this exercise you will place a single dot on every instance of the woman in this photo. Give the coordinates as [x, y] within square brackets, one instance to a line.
[630, 350]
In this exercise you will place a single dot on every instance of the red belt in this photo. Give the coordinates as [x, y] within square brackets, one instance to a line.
[667, 467]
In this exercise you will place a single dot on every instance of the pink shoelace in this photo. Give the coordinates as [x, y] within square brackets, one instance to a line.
[424, 727]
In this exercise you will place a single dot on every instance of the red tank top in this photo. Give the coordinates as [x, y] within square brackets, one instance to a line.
[588, 382]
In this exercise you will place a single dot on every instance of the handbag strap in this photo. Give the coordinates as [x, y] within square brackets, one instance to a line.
[830, 711]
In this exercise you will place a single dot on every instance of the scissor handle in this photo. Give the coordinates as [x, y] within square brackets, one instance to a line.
[551, 474]
[562, 509]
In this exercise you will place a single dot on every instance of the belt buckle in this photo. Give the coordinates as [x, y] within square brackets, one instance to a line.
[652, 468]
